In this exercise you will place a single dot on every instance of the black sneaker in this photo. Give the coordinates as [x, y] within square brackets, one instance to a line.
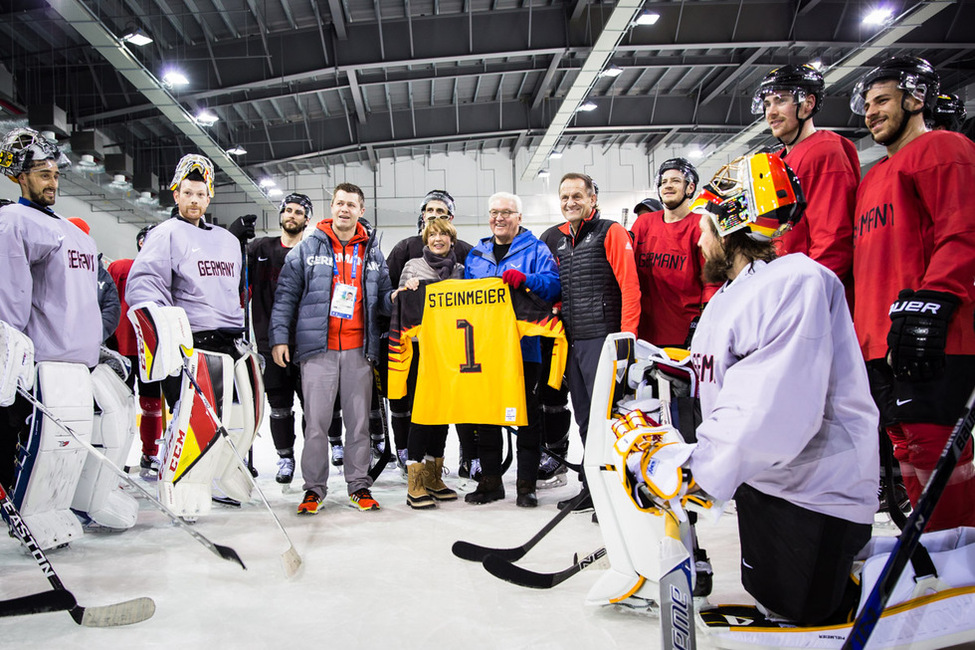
[584, 506]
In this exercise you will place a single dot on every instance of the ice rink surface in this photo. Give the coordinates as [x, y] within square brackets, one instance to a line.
[383, 579]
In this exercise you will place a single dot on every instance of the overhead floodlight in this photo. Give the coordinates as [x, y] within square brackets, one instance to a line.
[555, 155]
[237, 150]
[817, 64]
[612, 71]
[588, 106]
[137, 37]
[266, 182]
[647, 18]
[274, 191]
[119, 182]
[174, 79]
[695, 153]
[878, 16]
[206, 119]
[543, 173]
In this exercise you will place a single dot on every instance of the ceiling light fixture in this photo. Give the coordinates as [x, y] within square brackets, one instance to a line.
[695, 152]
[612, 71]
[174, 79]
[205, 119]
[543, 173]
[647, 18]
[274, 191]
[266, 182]
[237, 150]
[588, 106]
[878, 16]
[555, 155]
[817, 64]
[137, 37]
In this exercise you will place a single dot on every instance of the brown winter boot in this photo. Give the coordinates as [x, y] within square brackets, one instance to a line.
[435, 487]
[416, 496]
[489, 489]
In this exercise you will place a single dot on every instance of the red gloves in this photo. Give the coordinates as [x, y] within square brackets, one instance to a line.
[514, 277]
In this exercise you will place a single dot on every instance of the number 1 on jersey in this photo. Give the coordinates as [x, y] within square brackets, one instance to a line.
[470, 365]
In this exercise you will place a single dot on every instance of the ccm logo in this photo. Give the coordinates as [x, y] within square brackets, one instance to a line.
[915, 306]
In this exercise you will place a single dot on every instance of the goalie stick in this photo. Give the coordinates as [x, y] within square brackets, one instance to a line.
[477, 553]
[224, 552]
[290, 558]
[59, 598]
[509, 572]
[910, 538]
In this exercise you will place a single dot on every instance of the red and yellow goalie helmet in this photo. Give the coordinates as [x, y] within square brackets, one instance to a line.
[759, 192]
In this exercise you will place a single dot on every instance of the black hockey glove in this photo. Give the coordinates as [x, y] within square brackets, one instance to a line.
[918, 333]
[690, 332]
[243, 227]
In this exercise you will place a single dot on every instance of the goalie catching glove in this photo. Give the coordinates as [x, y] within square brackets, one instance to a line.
[161, 332]
[16, 363]
[651, 465]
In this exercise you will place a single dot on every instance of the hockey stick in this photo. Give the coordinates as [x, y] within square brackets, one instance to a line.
[124, 613]
[290, 558]
[910, 538]
[52, 600]
[383, 459]
[476, 553]
[224, 552]
[505, 570]
[676, 572]
[575, 467]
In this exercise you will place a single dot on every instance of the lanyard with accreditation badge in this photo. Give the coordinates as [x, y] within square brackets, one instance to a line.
[343, 295]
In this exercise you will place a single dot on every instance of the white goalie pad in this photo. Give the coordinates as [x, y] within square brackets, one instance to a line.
[631, 536]
[99, 495]
[160, 331]
[242, 425]
[190, 450]
[50, 464]
[16, 363]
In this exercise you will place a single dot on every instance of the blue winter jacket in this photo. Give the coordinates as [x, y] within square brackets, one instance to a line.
[305, 289]
[528, 255]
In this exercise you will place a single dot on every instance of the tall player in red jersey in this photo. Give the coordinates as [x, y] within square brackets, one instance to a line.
[826, 163]
[669, 261]
[914, 273]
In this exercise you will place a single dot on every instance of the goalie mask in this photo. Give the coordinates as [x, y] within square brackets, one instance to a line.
[193, 162]
[759, 192]
[21, 148]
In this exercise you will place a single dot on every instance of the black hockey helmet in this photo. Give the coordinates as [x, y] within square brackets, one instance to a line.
[683, 165]
[435, 195]
[803, 80]
[648, 205]
[913, 75]
[140, 237]
[300, 199]
[948, 112]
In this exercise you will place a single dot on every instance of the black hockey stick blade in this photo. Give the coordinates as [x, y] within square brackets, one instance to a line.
[124, 613]
[575, 467]
[501, 568]
[910, 538]
[477, 553]
[53, 600]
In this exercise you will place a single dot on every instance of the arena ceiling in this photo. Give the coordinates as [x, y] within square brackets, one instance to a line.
[302, 85]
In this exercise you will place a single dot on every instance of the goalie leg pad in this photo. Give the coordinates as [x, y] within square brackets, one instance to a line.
[631, 537]
[51, 462]
[189, 463]
[98, 494]
[160, 331]
[245, 420]
[16, 363]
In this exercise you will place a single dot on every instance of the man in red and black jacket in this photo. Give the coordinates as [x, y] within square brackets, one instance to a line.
[600, 287]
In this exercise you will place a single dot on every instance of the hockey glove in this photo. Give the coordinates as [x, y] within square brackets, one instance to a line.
[16, 363]
[513, 277]
[918, 333]
[690, 332]
[243, 228]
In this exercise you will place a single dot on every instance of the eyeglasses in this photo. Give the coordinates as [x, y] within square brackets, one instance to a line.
[494, 214]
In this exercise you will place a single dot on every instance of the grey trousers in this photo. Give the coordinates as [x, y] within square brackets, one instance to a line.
[348, 374]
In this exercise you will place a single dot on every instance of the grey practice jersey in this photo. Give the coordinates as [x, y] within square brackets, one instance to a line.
[195, 268]
[48, 284]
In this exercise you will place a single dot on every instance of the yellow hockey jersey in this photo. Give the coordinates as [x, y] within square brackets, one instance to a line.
[471, 366]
